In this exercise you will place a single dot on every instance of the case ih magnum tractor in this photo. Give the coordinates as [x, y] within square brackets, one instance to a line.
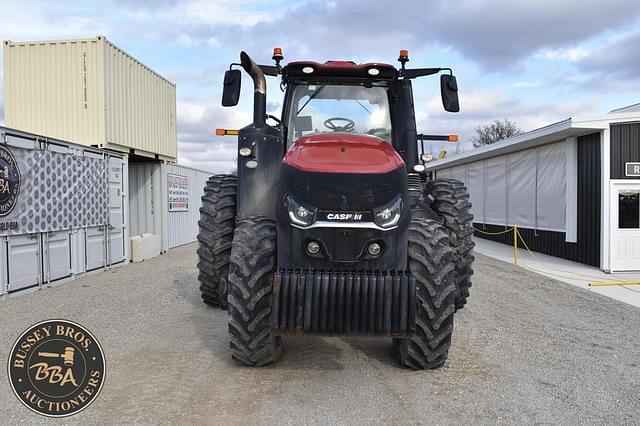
[331, 226]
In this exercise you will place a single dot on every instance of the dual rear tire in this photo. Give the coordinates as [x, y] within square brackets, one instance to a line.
[216, 226]
[236, 262]
[450, 200]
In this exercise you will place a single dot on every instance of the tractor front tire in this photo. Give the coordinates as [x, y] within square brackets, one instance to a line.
[432, 263]
[450, 201]
[216, 225]
[253, 262]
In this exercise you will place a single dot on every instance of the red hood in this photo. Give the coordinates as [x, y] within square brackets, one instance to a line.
[343, 153]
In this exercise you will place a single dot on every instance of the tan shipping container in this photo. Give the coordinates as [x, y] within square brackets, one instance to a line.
[92, 93]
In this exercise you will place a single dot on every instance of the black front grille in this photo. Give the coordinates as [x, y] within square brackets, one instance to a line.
[344, 191]
[315, 302]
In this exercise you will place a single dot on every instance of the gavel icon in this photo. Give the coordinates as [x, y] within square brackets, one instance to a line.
[67, 356]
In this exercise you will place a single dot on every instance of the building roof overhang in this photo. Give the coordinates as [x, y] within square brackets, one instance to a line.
[571, 127]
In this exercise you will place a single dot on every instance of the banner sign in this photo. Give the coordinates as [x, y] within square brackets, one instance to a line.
[178, 193]
[45, 191]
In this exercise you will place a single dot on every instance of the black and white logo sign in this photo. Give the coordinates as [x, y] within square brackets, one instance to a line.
[344, 216]
[9, 181]
[633, 169]
[56, 368]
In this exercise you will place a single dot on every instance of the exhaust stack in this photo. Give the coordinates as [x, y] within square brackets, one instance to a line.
[259, 89]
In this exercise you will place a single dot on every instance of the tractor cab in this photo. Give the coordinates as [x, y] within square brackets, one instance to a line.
[331, 225]
[337, 96]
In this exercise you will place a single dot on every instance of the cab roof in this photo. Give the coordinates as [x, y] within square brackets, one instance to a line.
[310, 70]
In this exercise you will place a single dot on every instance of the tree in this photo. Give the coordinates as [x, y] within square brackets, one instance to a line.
[495, 132]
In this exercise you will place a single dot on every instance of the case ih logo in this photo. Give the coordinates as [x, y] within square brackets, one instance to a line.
[344, 216]
[9, 181]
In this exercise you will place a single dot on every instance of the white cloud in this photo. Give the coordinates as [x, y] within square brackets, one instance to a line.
[197, 144]
[238, 12]
[525, 84]
[215, 158]
[573, 54]
[482, 107]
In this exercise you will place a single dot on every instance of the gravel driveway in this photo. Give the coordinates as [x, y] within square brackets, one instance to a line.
[526, 349]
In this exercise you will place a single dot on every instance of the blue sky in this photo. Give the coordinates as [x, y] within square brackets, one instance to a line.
[533, 62]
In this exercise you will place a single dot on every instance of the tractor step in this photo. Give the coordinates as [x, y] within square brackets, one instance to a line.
[344, 303]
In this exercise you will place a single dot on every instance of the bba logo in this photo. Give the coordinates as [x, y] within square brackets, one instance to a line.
[9, 181]
[344, 216]
[56, 368]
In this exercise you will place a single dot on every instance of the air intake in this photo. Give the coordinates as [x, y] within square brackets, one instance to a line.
[414, 182]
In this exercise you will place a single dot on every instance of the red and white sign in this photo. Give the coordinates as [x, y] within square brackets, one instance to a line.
[178, 193]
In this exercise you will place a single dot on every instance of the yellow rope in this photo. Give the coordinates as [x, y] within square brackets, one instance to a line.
[607, 283]
[493, 233]
[570, 275]
[516, 255]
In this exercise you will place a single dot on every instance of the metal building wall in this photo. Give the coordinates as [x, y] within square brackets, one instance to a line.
[183, 226]
[586, 249]
[91, 93]
[625, 147]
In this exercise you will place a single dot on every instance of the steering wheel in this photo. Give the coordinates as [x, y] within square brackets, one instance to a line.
[347, 127]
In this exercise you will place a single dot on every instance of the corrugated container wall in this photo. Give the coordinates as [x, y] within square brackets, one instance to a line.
[183, 225]
[92, 93]
[150, 207]
[147, 198]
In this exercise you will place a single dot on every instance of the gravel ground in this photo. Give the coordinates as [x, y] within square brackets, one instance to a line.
[526, 349]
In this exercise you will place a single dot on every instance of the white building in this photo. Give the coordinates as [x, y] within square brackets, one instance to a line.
[573, 188]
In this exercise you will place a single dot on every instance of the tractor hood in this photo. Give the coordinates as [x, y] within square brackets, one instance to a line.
[340, 152]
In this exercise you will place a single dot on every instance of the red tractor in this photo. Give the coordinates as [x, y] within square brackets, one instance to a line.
[332, 226]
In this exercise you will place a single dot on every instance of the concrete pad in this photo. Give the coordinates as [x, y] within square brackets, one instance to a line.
[566, 271]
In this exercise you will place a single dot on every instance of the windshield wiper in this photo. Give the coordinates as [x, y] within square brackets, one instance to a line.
[363, 107]
[316, 93]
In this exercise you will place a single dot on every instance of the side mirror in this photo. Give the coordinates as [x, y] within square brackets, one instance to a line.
[231, 90]
[449, 93]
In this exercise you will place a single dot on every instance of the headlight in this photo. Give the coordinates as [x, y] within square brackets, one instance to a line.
[299, 214]
[389, 215]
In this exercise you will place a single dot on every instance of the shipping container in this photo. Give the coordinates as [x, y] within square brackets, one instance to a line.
[165, 200]
[92, 93]
[69, 212]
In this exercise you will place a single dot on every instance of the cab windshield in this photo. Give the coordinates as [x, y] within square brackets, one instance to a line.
[323, 108]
